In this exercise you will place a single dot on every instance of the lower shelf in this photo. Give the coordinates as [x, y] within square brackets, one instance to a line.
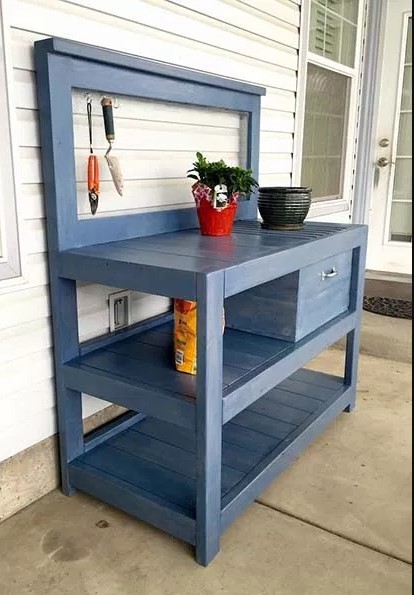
[149, 470]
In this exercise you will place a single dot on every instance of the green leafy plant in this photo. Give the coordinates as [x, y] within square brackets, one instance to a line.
[214, 173]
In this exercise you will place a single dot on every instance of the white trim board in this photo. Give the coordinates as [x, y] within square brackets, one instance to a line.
[10, 252]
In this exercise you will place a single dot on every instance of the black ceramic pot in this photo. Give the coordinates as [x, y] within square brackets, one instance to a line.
[284, 207]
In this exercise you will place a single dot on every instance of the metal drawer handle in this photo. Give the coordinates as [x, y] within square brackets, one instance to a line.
[331, 275]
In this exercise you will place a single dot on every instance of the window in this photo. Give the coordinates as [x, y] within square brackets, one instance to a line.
[332, 69]
[333, 30]
[9, 244]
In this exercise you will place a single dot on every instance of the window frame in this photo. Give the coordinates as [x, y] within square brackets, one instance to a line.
[343, 204]
[11, 271]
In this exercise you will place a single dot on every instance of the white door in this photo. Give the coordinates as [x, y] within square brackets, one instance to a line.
[390, 233]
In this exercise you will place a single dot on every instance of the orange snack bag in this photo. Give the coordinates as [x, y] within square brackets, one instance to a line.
[185, 336]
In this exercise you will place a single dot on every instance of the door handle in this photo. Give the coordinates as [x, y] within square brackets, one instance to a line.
[384, 162]
[333, 273]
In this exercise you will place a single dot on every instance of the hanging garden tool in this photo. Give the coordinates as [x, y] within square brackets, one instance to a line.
[93, 165]
[113, 162]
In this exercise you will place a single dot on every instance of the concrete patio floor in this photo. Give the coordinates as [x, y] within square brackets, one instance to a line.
[337, 522]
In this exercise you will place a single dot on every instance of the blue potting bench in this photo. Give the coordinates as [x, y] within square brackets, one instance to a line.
[192, 452]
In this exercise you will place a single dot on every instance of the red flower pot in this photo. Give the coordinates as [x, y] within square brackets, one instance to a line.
[216, 222]
[213, 221]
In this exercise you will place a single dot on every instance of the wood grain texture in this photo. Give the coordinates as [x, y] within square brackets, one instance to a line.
[138, 371]
[114, 73]
[249, 257]
[354, 336]
[184, 472]
[150, 469]
[209, 416]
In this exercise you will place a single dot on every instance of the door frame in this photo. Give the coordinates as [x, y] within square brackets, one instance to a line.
[369, 106]
[369, 109]
[396, 126]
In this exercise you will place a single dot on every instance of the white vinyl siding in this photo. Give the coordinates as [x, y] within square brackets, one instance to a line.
[255, 41]
[156, 143]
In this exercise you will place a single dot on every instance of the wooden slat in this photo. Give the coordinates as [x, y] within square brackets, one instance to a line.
[287, 414]
[276, 461]
[307, 251]
[309, 378]
[144, 363]
[264, 424]
[152, 465]
[132, 331]
[234, 455]
[159, 279]
[164, 361]
[254, 385]
[153, 478]
[176, 459]
[320, 392]
[187, 251]
[290, 399]
[137, 397]
[124, 495]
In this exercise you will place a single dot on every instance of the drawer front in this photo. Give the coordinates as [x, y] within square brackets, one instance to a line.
[324, 292]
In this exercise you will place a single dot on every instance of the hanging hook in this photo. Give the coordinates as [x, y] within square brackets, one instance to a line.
[114, 100]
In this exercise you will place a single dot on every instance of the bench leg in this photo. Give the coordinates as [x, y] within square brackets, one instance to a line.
[210, 299]
[354, 337]
[71, 443]
[351, 365]
[66, 347]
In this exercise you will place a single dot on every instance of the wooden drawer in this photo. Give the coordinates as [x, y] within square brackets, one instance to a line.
[293, 306]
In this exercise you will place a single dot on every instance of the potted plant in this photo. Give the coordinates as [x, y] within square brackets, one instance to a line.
[216, 191]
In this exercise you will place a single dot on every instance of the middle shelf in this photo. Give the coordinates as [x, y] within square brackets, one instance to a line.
[138, 372]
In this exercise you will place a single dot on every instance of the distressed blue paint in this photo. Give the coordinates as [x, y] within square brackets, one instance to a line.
[112, 428]
[192, 452]
[63, 291]
[134, 329]
[114, 73]
[249, 257]
[210, 303]
[122, 60]
[132, 499]
[151, 400]
[255, 384]
[354, 336]
[235, 502]
[150, 470]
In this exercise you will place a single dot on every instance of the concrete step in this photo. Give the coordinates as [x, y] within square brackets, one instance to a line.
[382, 336]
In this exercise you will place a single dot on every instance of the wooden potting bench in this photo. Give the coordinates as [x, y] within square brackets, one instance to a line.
[192, 452]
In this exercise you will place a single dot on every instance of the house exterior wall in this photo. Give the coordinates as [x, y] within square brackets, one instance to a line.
[252, 40]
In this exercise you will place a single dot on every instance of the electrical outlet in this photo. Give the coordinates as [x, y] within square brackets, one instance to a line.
[119, 310]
